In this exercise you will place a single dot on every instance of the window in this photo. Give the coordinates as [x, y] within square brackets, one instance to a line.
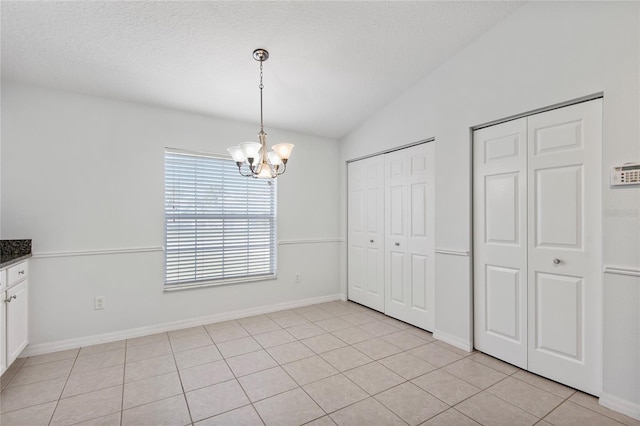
[219, 226]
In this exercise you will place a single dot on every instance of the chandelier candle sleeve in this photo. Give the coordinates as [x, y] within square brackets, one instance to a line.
[252, 158]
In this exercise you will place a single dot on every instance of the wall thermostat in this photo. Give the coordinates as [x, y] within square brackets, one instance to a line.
[626, 174]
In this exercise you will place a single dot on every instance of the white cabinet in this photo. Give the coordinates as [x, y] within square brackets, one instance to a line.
[14, 313]
[3, 330]
[17, 320]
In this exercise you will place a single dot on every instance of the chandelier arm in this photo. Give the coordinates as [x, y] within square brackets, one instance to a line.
[254, 169]
[240, 170]
[247, 175]
[284, 169]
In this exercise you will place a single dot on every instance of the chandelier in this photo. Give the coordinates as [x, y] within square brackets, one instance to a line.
[252, 158]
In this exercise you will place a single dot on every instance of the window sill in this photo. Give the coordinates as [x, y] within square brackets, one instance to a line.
[216, 283]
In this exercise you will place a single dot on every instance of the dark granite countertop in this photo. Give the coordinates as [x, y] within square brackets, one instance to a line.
[14, 251]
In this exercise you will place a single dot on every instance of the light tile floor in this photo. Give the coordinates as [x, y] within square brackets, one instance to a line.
[326, 364]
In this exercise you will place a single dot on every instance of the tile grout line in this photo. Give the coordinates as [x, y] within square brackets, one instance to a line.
[555, 408]
[563, 399]
[344, 375]
[235, 378]
[124, 375]
[280, 365]
[303, 390]
[568, 399]
[175, 363]
[63, 387]
[496, 396]
[287, 373]
[397, 414]
[594, 411]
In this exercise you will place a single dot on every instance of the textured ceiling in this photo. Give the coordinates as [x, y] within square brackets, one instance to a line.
[332, 64]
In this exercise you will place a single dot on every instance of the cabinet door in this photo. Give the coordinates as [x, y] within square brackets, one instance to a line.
[3, 332]
[17, 320]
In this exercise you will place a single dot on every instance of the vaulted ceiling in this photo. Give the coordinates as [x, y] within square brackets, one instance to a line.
[332, 64]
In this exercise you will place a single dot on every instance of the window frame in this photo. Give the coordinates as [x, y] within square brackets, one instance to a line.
[209, 282]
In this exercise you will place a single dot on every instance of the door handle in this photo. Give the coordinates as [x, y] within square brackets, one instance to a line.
[8, 300]
[370, 241]
[556, 261]
[397, 244]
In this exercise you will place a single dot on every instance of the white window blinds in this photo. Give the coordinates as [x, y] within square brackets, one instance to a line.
[219, 225]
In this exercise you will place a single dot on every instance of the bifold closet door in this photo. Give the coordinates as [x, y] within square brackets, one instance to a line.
[365, 187]
[537, 239]
[409, 235]
[565, 237]
[500, 241]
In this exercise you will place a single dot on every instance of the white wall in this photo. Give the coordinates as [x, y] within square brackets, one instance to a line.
[82, 173]
[543, 54]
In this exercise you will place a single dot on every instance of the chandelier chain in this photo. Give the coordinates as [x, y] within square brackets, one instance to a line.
[261, 86]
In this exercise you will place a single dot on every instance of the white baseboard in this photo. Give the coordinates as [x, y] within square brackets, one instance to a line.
[44, 348]
[620, 405]
[453, 340]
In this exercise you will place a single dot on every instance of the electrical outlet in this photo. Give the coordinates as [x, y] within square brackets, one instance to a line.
[98, 302]
[297, 277]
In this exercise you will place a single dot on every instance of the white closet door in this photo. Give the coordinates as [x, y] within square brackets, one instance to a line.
[564, 245]
[500, 241]
[537, 241]
[409, 237]
[366, 232]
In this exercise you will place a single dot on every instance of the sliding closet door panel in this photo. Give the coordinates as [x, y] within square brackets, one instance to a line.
[500, 241]
[564, 245]
[409, 253]
[366, 232]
